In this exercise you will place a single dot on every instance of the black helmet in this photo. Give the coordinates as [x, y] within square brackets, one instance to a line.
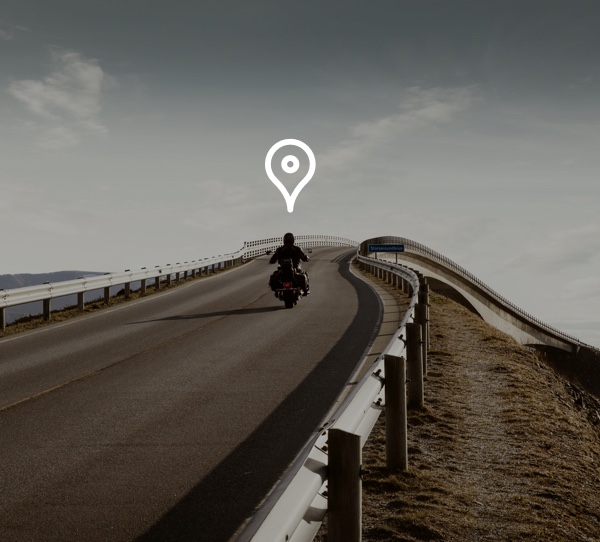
[288, 239]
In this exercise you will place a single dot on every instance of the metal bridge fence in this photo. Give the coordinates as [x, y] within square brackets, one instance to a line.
[420, 249]
[95, 285]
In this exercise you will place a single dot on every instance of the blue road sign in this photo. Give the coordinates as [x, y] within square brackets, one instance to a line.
[386, 248]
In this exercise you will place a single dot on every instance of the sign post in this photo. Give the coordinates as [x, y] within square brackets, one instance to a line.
[386, 248]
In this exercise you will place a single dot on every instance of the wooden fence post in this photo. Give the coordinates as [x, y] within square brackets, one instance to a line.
[424, 299]
[421, 319]
[414, 366]
[396, 440]
[345, 487]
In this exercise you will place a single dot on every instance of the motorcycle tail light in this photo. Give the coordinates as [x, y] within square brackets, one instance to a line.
[287, 284]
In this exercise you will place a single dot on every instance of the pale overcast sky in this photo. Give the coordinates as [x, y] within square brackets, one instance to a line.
[134, 134]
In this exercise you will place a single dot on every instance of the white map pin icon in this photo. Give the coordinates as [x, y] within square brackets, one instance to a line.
[290, 164]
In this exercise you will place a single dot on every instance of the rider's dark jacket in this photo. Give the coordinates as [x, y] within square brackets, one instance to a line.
[293, 252]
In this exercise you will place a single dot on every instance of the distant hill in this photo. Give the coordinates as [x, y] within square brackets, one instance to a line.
[8, 282]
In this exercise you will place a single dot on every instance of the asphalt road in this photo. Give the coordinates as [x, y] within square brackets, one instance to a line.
[170, 417]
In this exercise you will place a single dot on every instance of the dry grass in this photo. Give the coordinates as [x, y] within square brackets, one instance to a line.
[504, 450]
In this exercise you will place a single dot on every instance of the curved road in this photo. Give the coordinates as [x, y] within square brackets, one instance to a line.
[170, 417]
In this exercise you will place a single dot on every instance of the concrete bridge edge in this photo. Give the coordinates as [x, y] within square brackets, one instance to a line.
[502, 317]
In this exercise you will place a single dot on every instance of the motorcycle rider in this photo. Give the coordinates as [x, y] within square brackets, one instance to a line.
[294, 253]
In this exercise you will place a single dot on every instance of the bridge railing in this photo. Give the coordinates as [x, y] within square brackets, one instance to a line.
[256, 248]
[418, 248]
[251, 249]
[297, 506]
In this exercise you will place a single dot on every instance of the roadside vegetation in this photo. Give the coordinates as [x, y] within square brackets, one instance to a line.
[505, 449]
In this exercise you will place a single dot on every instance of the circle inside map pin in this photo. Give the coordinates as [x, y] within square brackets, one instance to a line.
[290, 164]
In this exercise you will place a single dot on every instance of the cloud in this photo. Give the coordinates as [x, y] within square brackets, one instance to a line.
[422, 109]
[561, 249]
[8, 31]
[66, 104]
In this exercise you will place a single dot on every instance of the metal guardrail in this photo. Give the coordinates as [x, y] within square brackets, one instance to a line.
[297, 506]
[255, 248]
[418, 248]
[251, 249]
[295, 509]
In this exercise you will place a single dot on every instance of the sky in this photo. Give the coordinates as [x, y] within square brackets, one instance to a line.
[135, 133]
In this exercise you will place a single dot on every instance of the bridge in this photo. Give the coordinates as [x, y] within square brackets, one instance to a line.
[446, 276]
[171, 417]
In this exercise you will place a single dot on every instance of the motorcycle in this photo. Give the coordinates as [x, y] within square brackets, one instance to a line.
[287, 285]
